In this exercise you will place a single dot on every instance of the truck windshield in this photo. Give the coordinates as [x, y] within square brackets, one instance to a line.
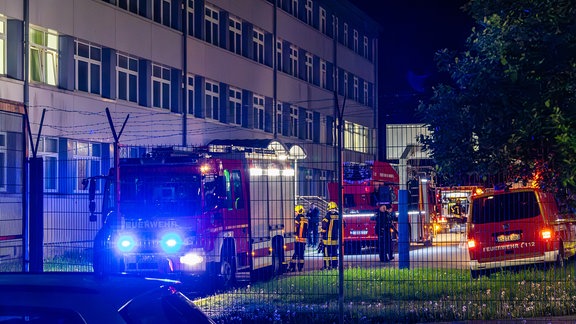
[169, 195]
[505, 207]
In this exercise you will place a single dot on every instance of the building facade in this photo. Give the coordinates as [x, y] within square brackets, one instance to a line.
[183, 72]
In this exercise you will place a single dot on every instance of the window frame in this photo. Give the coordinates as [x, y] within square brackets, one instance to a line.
[89, 159]
[323, 74]
[211, 25]
[190, 105]
[3, 161]
[279, 55]
[293, 130]
[51, 154]
[162, 98]
[309, 125]
[234, 106]
[91, 63]
[258, 45]
[235, 35]
[46, 55]
[308, 7]
[212, 96]
[131, 70]
[3, 42]
[279, 117]
[294, 60]
[259, 112]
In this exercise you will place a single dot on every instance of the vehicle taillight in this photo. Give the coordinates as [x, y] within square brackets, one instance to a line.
[471, 243]
[546, 234]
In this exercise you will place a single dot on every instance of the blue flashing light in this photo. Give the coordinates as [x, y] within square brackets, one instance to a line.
[125, 243]
[171, 242]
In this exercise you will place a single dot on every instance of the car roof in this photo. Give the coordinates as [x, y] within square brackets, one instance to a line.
[96, 299]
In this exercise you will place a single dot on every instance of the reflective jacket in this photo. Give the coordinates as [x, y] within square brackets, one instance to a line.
[301, 229]
[330, 224]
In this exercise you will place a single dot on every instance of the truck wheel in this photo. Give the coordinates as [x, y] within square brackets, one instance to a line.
[560, 264]
[227, 271]
[277, 259]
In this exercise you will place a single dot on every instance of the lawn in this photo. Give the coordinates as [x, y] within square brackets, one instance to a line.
[385, 295]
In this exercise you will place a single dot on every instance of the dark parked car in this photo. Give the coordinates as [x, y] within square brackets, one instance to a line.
[86, 298]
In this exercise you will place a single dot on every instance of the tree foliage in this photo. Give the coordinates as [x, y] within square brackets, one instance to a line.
[509, 111]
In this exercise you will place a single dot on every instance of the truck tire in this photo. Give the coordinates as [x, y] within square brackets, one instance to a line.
[277, 258]
[227, 272]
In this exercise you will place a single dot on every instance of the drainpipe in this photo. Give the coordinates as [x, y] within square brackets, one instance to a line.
[184, 12]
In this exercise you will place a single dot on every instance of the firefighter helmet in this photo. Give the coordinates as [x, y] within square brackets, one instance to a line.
[332, 205]
[299, 209]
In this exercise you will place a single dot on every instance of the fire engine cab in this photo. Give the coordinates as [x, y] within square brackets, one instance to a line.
[225, 211]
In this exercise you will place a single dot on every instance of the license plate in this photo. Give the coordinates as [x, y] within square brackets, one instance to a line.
[359, 232]
[508, 237]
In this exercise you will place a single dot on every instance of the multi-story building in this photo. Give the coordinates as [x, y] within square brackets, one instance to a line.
[183, 72]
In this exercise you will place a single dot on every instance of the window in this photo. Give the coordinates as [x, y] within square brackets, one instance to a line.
[160, 87]
[190, 90]
[293, 121]
[322, 25]
[88, 67]
[2, 45]
[355, 41]
[365, 91]
[365, 52]
[212, 22]
[235, 106]
[161, 12]
[130, 5]
[345, 84]
[322, 74]
[308, 67]
[191, 17]
[293, 60]
[127, 76]
[86, 161]
[279, 63]
[235, 35]
[335, 26]
[212, 96]
[294, 9]
[258, 112]
[345, 40]
[309, 125]
[356, 91]
[258, 39]
[3, 161]
[279, 123]
[356, 137]
[48, 150]
[308, 7]
[43, 56]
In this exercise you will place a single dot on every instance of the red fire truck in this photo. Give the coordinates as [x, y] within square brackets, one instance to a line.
[364, 184]
[225, 211]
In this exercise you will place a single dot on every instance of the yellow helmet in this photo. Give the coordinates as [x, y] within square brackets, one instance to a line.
[332, 205]
[299, 209]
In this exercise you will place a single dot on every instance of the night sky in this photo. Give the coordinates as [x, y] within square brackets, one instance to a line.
[412, 32]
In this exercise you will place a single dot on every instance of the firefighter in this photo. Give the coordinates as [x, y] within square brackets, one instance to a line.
[329, 232]
[384, 229]
[301, 231]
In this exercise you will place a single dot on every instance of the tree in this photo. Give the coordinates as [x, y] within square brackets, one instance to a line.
[509, 112]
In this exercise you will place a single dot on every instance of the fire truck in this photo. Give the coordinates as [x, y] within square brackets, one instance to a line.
[453, 205]
[364, 184]
[223, 212]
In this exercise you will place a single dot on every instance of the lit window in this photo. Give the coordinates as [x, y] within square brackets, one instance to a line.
[258, 112]
[293, 121]
[43, 56]
[258, 39]
[212, 97]
[160, 87]
[235, 36]
[293, 60]
[88, 67]
[235, 106]
[127, 78]
[212, 21]
[356, 137]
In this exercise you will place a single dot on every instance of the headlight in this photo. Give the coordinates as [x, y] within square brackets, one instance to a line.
[171, 242]
[191, 259]
[125, 243]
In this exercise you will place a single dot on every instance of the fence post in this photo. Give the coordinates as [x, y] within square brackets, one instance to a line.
[36, 224]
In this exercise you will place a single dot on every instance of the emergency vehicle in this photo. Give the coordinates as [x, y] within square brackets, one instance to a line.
[452, 206]
[365, 184]
[222, 211]
[518, 226]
